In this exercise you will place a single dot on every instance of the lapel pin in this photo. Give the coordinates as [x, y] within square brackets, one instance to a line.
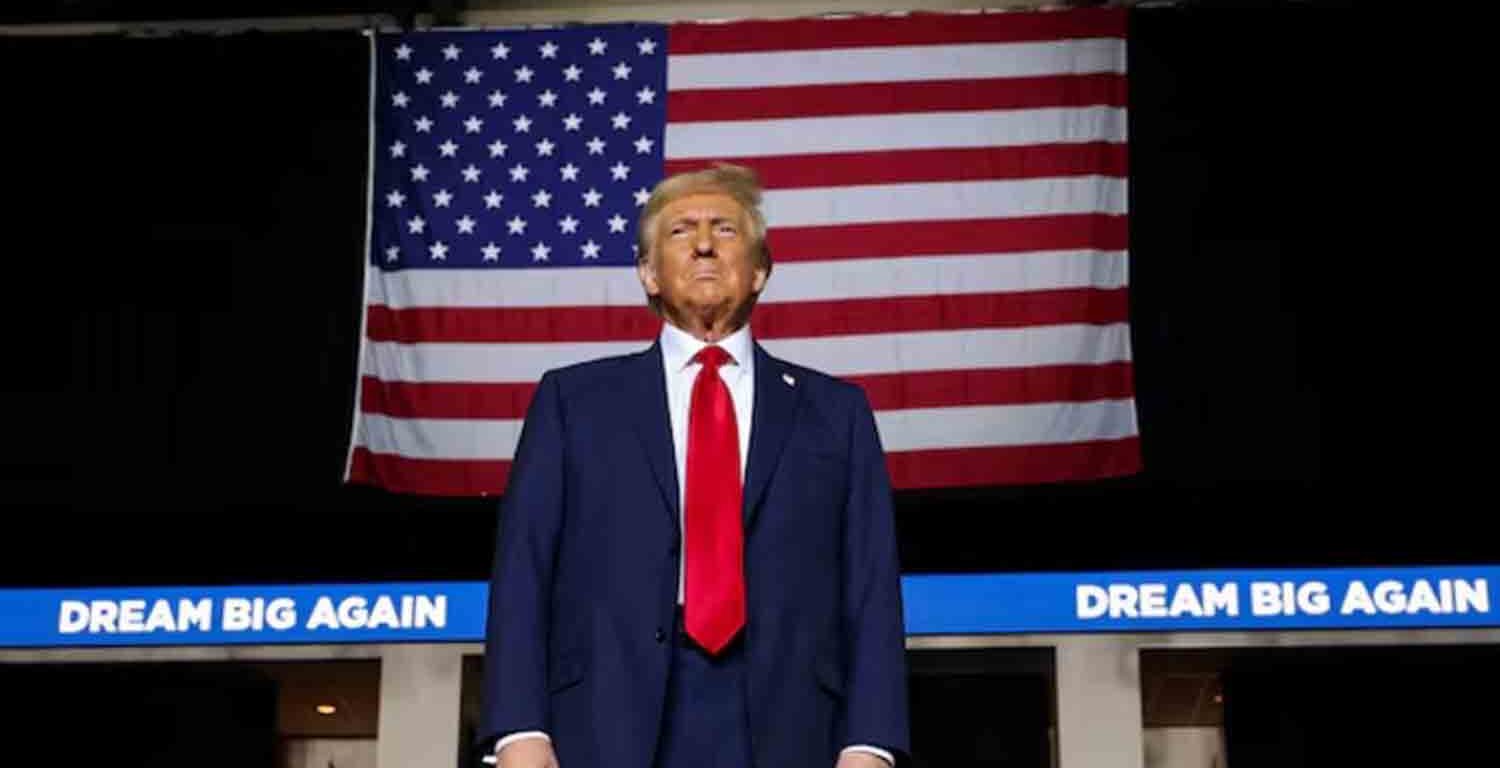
[787, 377]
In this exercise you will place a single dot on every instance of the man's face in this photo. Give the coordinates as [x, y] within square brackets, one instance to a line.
[705, 266]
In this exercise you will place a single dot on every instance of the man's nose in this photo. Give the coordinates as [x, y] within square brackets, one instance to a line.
[703, 244]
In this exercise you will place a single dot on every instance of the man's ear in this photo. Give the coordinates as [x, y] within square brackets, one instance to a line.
[645, 269]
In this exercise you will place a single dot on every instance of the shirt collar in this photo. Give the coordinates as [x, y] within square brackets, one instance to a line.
[678, 347]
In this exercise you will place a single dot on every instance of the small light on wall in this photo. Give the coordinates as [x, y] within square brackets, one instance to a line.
[1218, 698]
[327, 709]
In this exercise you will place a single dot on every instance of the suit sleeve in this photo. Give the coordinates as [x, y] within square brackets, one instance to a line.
[516, 626]
[874, 630]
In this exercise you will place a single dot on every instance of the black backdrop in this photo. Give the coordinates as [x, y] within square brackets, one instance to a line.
[183, 232]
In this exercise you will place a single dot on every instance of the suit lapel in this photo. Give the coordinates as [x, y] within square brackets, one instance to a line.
[648, 406]
[775, 406]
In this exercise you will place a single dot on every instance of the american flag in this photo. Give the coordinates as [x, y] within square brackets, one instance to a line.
[946, 194]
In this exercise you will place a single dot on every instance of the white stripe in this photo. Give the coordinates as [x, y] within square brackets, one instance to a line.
[958, 350]
[872, 133]
[442, 438]
[945, 275]
[919, 429]
[895, 64]
[391, 361]
[791, 281]
[835, 355]
[945, 201]
[545, 287]
[901, 430]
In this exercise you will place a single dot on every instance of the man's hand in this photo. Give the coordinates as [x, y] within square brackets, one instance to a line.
[529, 753]
[857, 759]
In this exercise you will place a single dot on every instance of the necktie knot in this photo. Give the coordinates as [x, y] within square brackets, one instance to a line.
[712, 357]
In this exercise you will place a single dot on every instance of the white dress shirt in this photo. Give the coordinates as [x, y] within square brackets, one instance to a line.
[678, 347]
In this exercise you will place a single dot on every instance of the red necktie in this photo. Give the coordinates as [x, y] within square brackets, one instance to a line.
[714, 580]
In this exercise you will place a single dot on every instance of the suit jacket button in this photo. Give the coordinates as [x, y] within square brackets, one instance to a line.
[660, 635]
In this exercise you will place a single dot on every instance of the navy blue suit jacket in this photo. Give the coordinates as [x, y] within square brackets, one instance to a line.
[584, 585]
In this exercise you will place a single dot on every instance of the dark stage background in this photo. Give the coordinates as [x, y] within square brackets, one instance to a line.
[184, 224]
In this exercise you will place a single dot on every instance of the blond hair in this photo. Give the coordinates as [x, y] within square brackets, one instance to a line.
[737, 181]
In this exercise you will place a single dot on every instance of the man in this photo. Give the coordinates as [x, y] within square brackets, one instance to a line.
[696, 563]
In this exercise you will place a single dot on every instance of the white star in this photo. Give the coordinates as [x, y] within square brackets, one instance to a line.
[571, 73]
[539, 252]
[419, 173]
[392, 253]
[596, 146]
[547, 98]
[619, 171]
[522, 124]
[568, 224]
[523, 75]
[497, 148]
[518, 172]
[471, 174]
[642, 195]
[597, 46]
[447, 148]
[403, 53]
[622, 71]
[499, 51]
[424, 76]
[472, 75]
[647, 46]
[549, 50]
[400, 99]
[449, 99]
[516, 225]
[645, 96]
[424, 125]
[572, 122]
[617, 223]
[591, 198]
[643, 146]
[542, 199]
[544, 148]
[465, 225]
[492, 200]
[451, 52]
[394, 199]
[442, 198]
[491, 251]
[621, 121]
[497, 99]
[438, 250]
[415, 225]
[596, 96]
[590, 250]
[569, 172]
[473, 124]
[398, 149]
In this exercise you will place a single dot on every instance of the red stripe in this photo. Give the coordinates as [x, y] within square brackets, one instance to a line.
[445, 400]
[914, 29]
[931, 238]
[769, 103]
[772, 321]
[998, 386]
[1006, 465]
[430, 477]
[929, 165]
[926, 389]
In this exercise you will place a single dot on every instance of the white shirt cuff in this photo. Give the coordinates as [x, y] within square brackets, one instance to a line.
[517, 736]
[876, 751]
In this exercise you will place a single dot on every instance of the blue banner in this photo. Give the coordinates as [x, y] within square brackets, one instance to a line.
[958, 604]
